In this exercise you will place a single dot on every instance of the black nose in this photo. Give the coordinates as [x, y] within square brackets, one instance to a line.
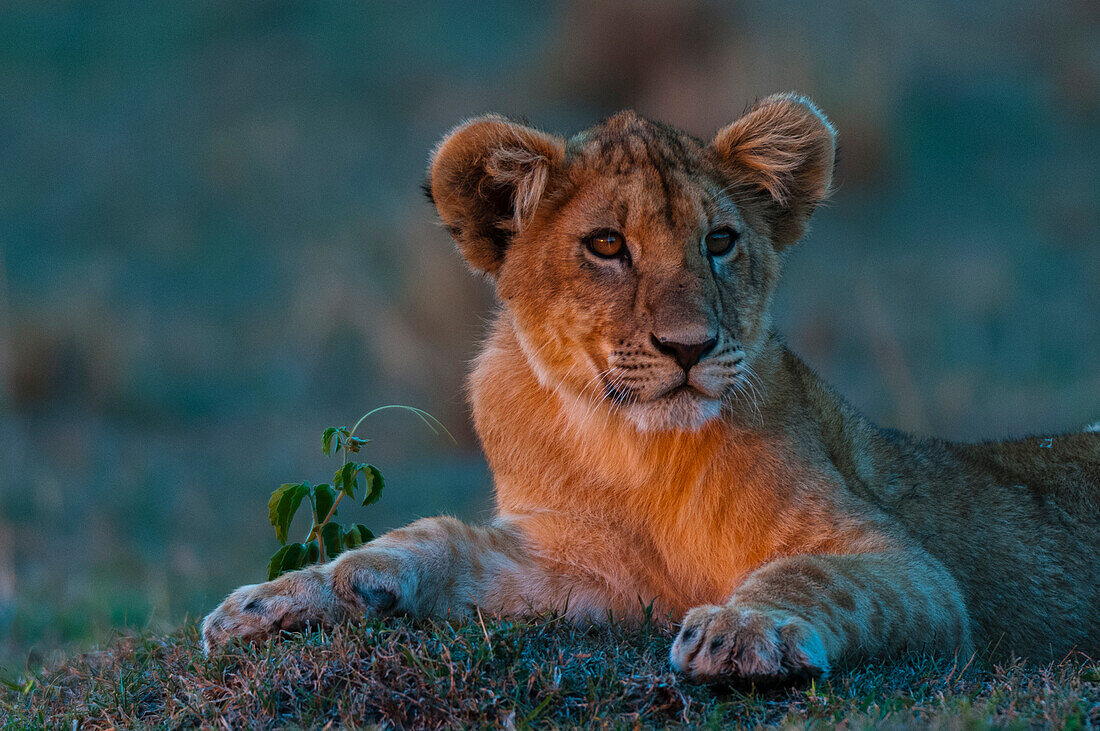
[686, 354]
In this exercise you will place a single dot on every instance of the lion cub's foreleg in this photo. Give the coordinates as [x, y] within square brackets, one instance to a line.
[803, 615]
[435, 566]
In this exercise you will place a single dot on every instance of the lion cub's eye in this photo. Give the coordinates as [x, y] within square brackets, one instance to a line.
[606, 244]
[721, 240]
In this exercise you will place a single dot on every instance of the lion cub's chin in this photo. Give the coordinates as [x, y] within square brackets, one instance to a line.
[681, 411]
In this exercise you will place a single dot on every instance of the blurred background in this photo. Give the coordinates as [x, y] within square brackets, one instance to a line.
[213, 245]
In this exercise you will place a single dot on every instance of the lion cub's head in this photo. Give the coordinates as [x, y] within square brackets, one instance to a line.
[637, 262]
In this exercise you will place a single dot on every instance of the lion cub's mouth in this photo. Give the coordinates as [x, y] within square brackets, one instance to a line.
[682, 388]
[685, 401]
[678, 407]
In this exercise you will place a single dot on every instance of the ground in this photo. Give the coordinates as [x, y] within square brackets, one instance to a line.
[406, 673]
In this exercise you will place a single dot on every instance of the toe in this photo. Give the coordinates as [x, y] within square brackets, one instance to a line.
[688, 641]
[756, 648]
[803, 650]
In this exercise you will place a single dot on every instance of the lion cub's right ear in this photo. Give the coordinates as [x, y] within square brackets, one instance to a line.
[486, 179]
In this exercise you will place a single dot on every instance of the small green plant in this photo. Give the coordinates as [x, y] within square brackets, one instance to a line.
[327, 539]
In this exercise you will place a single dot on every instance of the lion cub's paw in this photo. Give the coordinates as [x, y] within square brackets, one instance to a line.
[291, 602]
[379, 581]
[731, 642]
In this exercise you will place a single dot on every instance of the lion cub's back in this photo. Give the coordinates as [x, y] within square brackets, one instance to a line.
[1033, 569]
[1064, 469]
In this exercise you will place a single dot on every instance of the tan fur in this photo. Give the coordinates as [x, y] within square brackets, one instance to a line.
[739, 494]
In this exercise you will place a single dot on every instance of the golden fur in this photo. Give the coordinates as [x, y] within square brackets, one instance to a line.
[653, 441]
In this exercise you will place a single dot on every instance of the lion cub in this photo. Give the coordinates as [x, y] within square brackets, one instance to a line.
[653, 440]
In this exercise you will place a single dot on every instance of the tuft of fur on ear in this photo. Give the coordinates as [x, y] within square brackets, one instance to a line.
[785, 148]
[486, 179]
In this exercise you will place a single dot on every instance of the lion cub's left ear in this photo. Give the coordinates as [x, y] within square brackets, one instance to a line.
[486, 179]
[783, 150]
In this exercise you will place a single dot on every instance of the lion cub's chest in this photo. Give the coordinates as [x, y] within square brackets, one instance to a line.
[685, 516]
[708, 537]
[686, 531]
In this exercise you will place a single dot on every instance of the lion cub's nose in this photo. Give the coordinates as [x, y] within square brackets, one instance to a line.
[686, 354]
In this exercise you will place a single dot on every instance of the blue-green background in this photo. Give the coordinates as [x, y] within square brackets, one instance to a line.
[212, 246]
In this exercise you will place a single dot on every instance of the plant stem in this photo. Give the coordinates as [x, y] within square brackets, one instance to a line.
[332, 511]
[315, 532]
[339, 497]
[429, 421]
[320, 526]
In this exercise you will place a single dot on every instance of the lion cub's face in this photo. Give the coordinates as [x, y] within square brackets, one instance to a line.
[637, 262]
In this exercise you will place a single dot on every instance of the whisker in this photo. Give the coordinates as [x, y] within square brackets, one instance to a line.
[592, 408]
[752, 380]
[568, 373]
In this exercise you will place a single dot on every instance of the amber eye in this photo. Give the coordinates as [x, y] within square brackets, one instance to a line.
[606, 244]
[721, 240]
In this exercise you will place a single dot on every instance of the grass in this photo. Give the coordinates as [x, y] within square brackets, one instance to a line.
[407, 673]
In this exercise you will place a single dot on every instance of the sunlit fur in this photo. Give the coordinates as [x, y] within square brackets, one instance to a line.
[786, 533]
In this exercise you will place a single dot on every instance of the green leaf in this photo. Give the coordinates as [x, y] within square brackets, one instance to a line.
[345, 478]
[276, 497]
[323, 500]
[275, 562]
[313, 553]
[333, 536]
[374, 481]
[295, 557]
[287, 558]
[283, 504]
[356, 535]
[332, 439]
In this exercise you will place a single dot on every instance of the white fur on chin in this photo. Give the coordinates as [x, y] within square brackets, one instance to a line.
[683, 411]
